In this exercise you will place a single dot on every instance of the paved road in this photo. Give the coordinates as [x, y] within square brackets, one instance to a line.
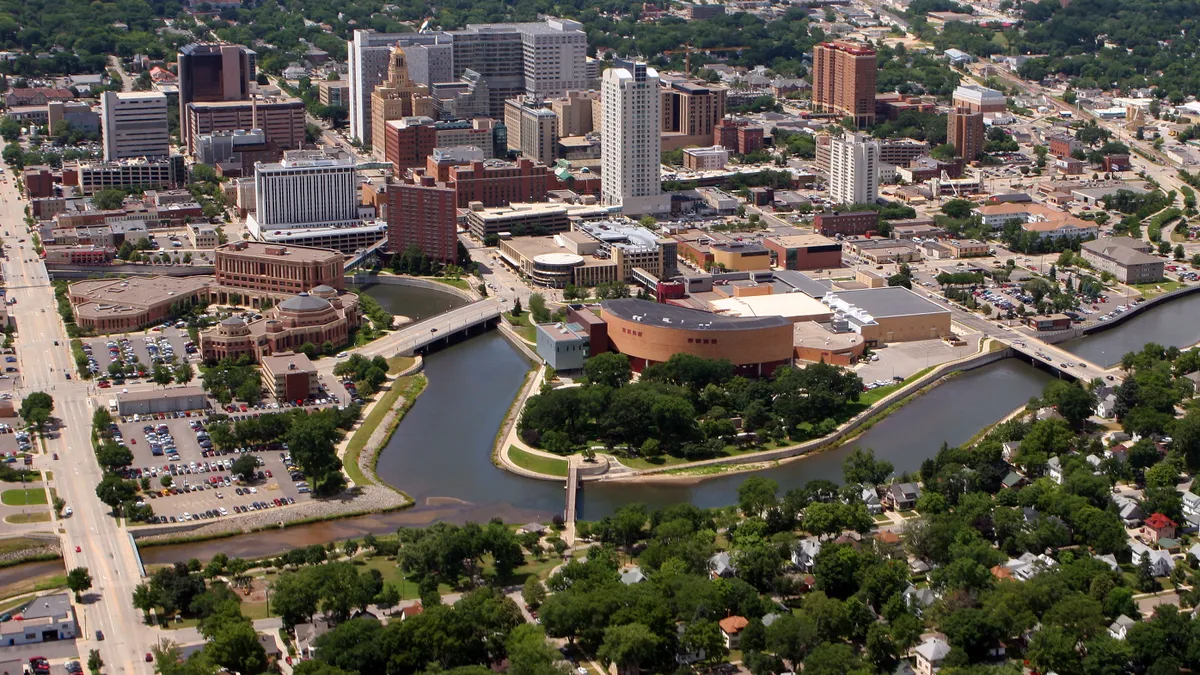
[104, 546]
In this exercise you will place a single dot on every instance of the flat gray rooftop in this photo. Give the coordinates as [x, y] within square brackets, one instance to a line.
[891, 301]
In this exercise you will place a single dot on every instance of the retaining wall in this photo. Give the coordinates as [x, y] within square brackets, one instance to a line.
[364, 278]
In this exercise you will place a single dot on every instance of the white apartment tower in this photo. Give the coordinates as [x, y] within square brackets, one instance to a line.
[555, 57]
[853, 170]
[308, 188]
[632, 175]
[134, 125]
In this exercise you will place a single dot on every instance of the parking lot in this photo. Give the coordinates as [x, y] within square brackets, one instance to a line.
[903, 359]
[145, 348]
[202, 480]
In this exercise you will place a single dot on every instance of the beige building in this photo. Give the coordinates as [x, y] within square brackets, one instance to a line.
[290, 377]
[575, 112]
[277, 269]
[202, 235]
[398, 97]
[532, 129]
[1125, 258]
[702, 159]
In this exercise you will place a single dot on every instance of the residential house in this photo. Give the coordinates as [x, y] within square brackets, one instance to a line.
[721, 565]
[1054, 469]
[1009, 450]
[917, 599]
[870, 498]
[1194, 551]
[1191, 503]
[270, 645]
[1119, 629]
[412, 610]
[731, 628]
[769, 619]
[633, 575]
[1106, 408]
[805, 553]
[1013, 480]
[1129, 510]
[1110, 560]
[1161, 562]
[930, 655]
[1158, 527]
[307, 634]
[902, 496]
[1025, 567]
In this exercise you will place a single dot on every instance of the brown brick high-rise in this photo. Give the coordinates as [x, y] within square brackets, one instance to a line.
[844, 80]
[965, 130]
[422, 214]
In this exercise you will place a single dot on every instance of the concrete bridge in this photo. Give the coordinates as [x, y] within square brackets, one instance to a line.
[1061, 361]
[572, 488]
[357, 258]
[442, 330]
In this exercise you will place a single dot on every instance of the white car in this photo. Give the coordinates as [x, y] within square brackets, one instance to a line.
[342, 355]
[67, 512]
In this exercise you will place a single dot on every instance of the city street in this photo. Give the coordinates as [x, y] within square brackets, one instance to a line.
[104, 546]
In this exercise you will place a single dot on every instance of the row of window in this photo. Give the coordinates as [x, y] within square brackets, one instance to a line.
[702, 341]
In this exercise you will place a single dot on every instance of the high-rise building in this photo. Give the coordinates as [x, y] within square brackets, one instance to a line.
[398, 97]
[212, 72]
[423, 214]
[134, 125]
[692, 108]
[575, 112]
[979, 98]
[532, 128]
[368, 56]
[965, 130]
[632, 144]
[844, 80]
[308, 188]
[853, 170]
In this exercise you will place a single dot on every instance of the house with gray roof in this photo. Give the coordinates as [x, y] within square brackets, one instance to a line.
[1161, 562]
[633, 575]
[930, 655]
[45, 619]
[721, 565]
[1129, 510]
[1119, 629]
[902, 496]
[871, 499]
[918, 599]
[1054, 469]
[804, 555]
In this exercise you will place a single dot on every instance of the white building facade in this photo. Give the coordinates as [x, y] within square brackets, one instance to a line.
[308, 188]
[853, 170]
[555, 57]
[134, 125]
[632, 145]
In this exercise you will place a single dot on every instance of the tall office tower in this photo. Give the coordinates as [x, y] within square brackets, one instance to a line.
[632, 174]
[532, 128]
[853, 170]
[368, 56]
[308, 188]
[555, 56]
[965, 130]
[134, 124]
[844, 80]
[398, 97]
[979, 98]
[494, 51]
[424, 215]
[212, 72]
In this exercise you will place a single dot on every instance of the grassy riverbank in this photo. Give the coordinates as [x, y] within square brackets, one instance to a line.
[537, 463]
[408, 387]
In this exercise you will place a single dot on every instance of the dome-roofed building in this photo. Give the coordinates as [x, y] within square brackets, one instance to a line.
[320, 316]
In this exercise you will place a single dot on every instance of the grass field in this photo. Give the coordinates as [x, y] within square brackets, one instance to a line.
[408, 386]
[26, 518]
[13, 544]
[25, 497]
[398, 364]
[45, 582]
[523, 326]
[546, 465]
[1156, 288]
[457, 283]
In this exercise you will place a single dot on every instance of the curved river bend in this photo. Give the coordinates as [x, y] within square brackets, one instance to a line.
[440, 454]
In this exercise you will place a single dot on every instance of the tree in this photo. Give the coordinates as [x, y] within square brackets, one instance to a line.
[529, 653]
[945, 152]
[113, 457]
[861, 467]
[36, 409]
[79, 580]
[114, 491]
[161, 375]
[609, 369]
[294, 598]
[756, 494]
[183, 373]
[537, 308]
[704, 637]
[533, 592]
[245, 466]
[958, 208]
[1072, 401]
[628, 647]
[109, 199]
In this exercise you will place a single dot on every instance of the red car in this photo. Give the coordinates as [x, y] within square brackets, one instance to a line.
[149, 657]
[78, 550]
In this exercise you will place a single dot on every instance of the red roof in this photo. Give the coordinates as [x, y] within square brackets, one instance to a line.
[1158, 521]
[733, 624]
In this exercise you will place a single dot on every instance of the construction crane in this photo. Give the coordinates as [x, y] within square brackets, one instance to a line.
[688, 49]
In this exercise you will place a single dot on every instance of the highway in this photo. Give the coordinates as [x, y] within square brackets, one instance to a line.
[104, 545]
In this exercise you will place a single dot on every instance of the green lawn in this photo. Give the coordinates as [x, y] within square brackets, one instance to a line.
[33, 585]
[26, 497]
[457, 283]
[531, 462]
[14, 544]
[399, 364]
[1156, 288]
[523, 326]
[409, 386]
[26, 518]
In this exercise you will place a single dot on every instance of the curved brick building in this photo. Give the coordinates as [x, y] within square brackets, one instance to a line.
[649, 332]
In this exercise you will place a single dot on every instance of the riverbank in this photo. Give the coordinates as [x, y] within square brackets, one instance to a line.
[360, 450]
[750, 461]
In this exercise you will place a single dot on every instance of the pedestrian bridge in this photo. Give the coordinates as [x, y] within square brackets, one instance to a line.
[362, 254]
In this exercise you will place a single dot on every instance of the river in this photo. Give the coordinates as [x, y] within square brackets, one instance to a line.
[1171, 324]
[440, 454]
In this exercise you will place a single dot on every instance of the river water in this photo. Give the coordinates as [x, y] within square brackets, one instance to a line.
[440, 453]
